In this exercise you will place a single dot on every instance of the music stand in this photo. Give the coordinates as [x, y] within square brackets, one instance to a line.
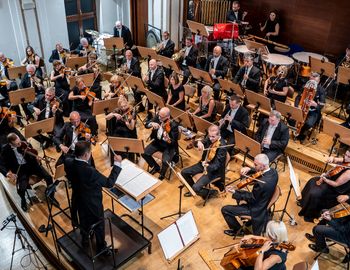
[322, 67]
[115, 44]
[180, 116]
[126, 145]
[87, 78]
[107, 75]
[201, 124]
[289, 112]
[201, 75]
[37, 128]
[258, 48]
[136, 83]
[147, 52]
[230, 87]
[247, 145]
[76, 62]
[259, 103]
[104, 106]
[16, 72]
[336, 131]
[22, 96]
[197, 28]
[168, 63]
[154, 99]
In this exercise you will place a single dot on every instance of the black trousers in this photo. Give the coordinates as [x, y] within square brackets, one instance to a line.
[230, 212]
[321, 232]
[167, 156]
[271, 154]
[311, 120]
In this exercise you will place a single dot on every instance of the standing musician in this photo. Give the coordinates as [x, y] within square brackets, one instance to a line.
[34, 59]
[190, 54]
[273, 135]
[32, 79]
[248, 76]
[217, 66]
[212, 164]
[122, 31]
[82, 98]
[87, 183]
[321, 192]
[155, 79]
[18, 165]
[315, 107]
[167, 46]
[165, 135]
[276, 87]
[271, 27]
[256, 201]
[59, 53]
[234, 117]
[84, 48]
[176, 93]
[92, 67]
[236, 14]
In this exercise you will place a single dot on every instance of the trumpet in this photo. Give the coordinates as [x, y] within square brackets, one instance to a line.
[157, 48]
[177, 57]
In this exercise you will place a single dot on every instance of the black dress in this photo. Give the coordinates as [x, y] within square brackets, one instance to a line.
[271, 28]
[278, 87]
[317, 197]
[205, 109]
[175, 96]
[278, 266]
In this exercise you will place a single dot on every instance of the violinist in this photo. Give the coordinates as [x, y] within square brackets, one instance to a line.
[165, 135]
[276, 87]
[59, 53]
[115, 88]
[82, 99]
[315, 107]
[61, 81]
[84, 48]
[19, 166]
[7, 125]
[6, 84]
[92, 67]
[212, 164]
[336, 229]
[248, 76]
[321, 192]
[32, 79]
[33, 59]
[265, 180]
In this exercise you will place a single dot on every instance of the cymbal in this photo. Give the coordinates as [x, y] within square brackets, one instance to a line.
[92, 32]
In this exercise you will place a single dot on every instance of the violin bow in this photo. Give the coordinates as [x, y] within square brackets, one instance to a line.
[221, 146]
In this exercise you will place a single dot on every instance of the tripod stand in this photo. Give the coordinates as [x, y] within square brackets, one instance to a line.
[284, 210]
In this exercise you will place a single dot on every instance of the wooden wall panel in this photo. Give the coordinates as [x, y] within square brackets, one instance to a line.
[139, 11]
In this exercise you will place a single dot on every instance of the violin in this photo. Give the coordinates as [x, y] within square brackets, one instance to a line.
[167, 128]
[89, 94]
[55, 102]
[334, 171]
[3, 83]
[211, 152]
[339, 211]
[29, 150]
[246, 254]
[249, 180]
[66, 70]
[7, 113]
[85, 132]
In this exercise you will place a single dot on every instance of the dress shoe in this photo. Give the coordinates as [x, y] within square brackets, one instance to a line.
[161, 177]
[230, 232]
[213, 193]
[299, 203]
[155, 170]
[310, 237]
[188, 194]
[318, 249]
[24, 206]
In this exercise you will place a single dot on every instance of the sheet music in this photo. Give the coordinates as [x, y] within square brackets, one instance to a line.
[293, 179]
[315, 266]
[187, 228]
[170, 241]
[129, 171]
[139, 184]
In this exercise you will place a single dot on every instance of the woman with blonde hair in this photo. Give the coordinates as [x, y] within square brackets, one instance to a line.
[276, 87]
[206, 108]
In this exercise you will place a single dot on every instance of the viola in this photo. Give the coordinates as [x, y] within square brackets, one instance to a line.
[7, 113]
[211, 152]
[29, 150]
[85, 132]
[334, 171]
[55, 102]
[88, 93]
[249, 180]
[339, 211]
[167, 128]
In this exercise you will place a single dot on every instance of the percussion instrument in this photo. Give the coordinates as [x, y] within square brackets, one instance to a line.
[303, 58]
[241, 50]
[272, 61]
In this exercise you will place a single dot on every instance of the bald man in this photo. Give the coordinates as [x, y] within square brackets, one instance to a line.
[217, 66]
[122, 31]
[164, 141]
[155, 79]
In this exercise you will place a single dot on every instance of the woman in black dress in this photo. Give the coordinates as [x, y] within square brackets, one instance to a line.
[33, 58]
[276, 87]
[321, 192]
[206, 108]
[176, 95]
[271, 27]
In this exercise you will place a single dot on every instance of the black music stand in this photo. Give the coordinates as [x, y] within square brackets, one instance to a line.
[116, 44]
[76, 62]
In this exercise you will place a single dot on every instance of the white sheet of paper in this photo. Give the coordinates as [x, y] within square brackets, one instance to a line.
[170, 241]
[293, 179]
[187, 227]
[315, 266]
[139, 184]
[129, 171]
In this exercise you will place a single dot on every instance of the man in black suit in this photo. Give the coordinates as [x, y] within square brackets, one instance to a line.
[165, 141]
[234, 117]
[217, 66]
[155, 79]
[30, 79]
[273, 135]
[131, 64]
[167, 46]
[256, 201]
[122, 31]
[248, 76]
[87, 183]
[19, 166]
[59, 53]
[235, 14]
[10, 85]
[214, 168]
[189, 59]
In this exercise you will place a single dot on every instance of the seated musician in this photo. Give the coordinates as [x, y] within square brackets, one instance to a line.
[276, 87]
[18, 166]
[33, 59]
[176, 93]
[257, 200]
[61, 83]
[82, 101]
[122, 123]
[84, 48]
[315, 107]
[212, 164]
[248, 76]
[167, 46]
[92, 67]
[47, 106]
[234, 117]
[217, 66]
[342, 89]
[131, 64]
[59, 53]
[273, 135]
[189, 59]
[206, 108]
[122, 31]
[155, 79]
[236, 14]
[165, 135]
[6, 84]
[7, 126]
[271, 27]
[330, 228]
[32, 79]
[115, 88]
[321, 192]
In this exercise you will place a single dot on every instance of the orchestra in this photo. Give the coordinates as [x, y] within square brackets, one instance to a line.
[221, 96]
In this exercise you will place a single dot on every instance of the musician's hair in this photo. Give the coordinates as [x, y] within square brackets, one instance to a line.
[31, 49]
[93, 55]
[209, 90]
[284, 69]
[175, 76]
[56, 63]
[79, 80]
[115, 78]
[166, 32]
[348, 47]
[51, 89]
[122, 100]
[276, 231]
[212, 127]
[315, 74]
[248, 56]
[83, 40]
[81, 148]
[30, 66]
[236, 2]
[263, 159]
[235, 98]
[11, 137]
[275, 113]
[189, 38]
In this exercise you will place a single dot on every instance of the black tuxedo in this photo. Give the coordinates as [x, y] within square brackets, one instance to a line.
[253, 82]
[257, 202]
[135, 68]
[26, 82]
[279, 139]
[87, 197]
[40, 103]
[191, 61]
[220, 72]
[231, 16]
[126, 35]
[169, 149]
[215, 169]
[156, 83]
[55, 55]
[168, 50]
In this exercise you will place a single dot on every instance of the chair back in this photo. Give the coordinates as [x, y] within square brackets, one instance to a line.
[189, 91]
[219, 107]
[301, 266]
[276, 194]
